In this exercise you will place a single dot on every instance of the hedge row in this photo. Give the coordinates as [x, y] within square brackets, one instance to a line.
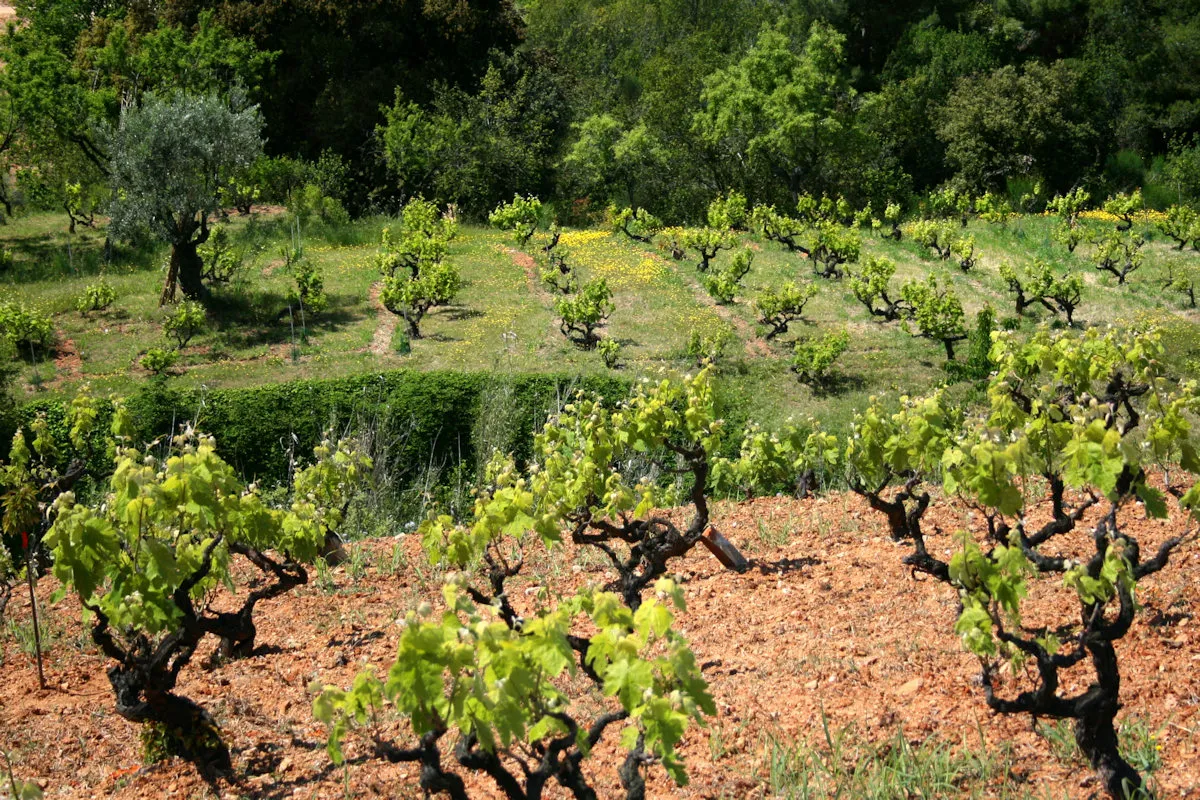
[426, 418]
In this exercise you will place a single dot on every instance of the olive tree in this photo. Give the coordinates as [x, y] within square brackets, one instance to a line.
[170, 159]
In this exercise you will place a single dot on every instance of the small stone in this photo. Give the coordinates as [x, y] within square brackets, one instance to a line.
[909, 687]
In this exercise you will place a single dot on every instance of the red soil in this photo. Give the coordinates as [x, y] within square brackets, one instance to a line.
[828, 623]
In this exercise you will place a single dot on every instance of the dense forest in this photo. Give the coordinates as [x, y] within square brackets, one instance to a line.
[658, 104]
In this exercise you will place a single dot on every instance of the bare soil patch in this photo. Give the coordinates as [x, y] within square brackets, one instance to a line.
[827, 628]
[381, 341]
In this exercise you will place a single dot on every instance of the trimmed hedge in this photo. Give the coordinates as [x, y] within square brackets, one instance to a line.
[429, 417]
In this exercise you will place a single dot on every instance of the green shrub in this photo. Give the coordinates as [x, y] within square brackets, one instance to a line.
[610, 351]
[185, 322]
[96, 297]
[724, 284]
[582, 314]
[521, 217]
[709, 346]
[25, 326]
[222, 262]
[158, 360]
[813, 357]
[309, 201]
[310, 287]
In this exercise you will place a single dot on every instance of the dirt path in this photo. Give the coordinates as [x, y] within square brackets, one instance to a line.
[68, 364]
[527, 263]
[381, 342]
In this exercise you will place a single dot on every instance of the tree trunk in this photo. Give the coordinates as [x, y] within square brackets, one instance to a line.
[188, 268]
[949, 343]
[1094, 730]
[188, 730]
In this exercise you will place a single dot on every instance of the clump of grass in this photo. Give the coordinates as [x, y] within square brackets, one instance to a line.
[841, 767]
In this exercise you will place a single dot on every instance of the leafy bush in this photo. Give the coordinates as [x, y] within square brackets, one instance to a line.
[143, 558]
[994, 208]
[610, 351]
[707, 242]
[1068, 207]
[724, 284]
[510, 671]
[412, 298]
[158, 360]
[1037, 284]
[870, 286]
[1119, 254]
[937, 312]
[309, 201]
[729, 212]
[310, 287]
[813, 357]
[559, 275]
[437, 412]
[963, 251]
[1093, 413]
[521, 217]
[778, 308]
[939, 236]
[1124, 206]
[96, 296]
[891, 215]
[185, 322]
[1182, 224]
[25, 326]
[709, 347]
[222, 261]
[423, 239]
[638, 224]
[832, 246]
[581, 315]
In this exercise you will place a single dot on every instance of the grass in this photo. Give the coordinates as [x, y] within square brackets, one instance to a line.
[895, 768]
[503, 322]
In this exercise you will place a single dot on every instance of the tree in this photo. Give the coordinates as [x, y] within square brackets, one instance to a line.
[779, 308]
[937, 313]
[496, 677]
[143, 557]
[582, 314]
[413, 297]
[170, 160]
[613, 160]
[789, 111]
[1064, 413]
[1031, 121]
[869, 284]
